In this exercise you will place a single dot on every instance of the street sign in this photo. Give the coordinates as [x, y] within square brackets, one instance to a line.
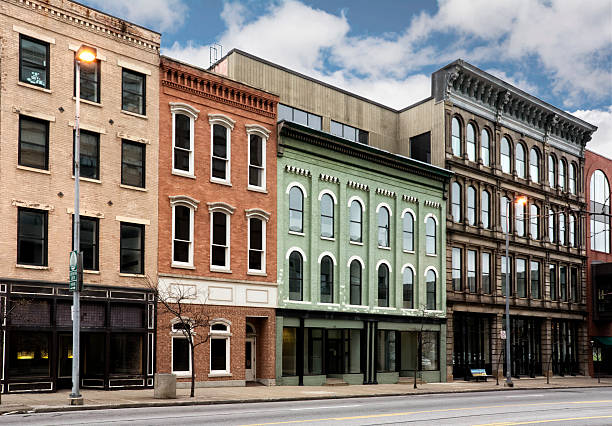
[73, 282]
[502, 334]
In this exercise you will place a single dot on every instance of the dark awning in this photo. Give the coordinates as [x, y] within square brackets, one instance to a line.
[606, 341]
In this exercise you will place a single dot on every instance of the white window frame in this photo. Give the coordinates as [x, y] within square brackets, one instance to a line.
[264, 216]
[228, 211]
[192, 205]
[264, 134]
[435, 219]
[177, 334]
[228, 123]
[220, 335]
[192, 114]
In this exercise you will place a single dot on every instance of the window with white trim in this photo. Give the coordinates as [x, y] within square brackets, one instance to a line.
[257, 245]
[355, 283]
[296, 275]
[181, 350]
[408, 289]
[408, 232]
[220, 348]
[257, 161]
[383, 227]
[430, 235]
[182, 235]
[383, 285]
[327, 216]
[219, 240]
[327, 280]
[296, 209]
[355, 222]
[220, 153]
[182, 139]
[430, 279]
[485, 147]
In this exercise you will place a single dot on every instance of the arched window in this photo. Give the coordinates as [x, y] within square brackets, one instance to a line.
[599, 207]
[430, 236]
[296, 276]
[383, 285]
[562, 174]
[519, 218]
[562, 228]
[431, 290]
[296, 209]
[534, 221]
[383, 227]
[551, 225]
[504, 203]
[471, 142]
[573, 172]
[327, 216]
[355, 282]
[505, 154]
[408, 288]
[456, 137]
[520, 160]
[534, 165]
[456, 202]
[408, 232]
[327, 280]
[551, 170]
[485, 209]
[572, 230]
[485, 147]
[471, 206]
[355, 222]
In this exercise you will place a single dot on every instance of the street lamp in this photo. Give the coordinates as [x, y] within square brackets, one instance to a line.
[86, 54]
[519, 201]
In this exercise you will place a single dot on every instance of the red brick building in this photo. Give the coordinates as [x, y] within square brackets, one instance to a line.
[598, 175]
[217, 224]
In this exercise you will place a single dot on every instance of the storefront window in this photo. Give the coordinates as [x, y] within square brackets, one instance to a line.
[29, 354]
[430, 359]
[314, 356]
[126, 353]
[289, 351]
[386, 351]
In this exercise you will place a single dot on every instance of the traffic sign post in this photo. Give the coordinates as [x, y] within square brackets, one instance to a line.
[73, 282]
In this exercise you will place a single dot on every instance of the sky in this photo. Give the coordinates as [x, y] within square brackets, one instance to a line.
[557, 50]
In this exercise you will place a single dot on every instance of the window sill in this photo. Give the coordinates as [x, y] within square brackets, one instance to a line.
[182, 374]
[222, 270]
[85, 101]
[386, 308]
[220, 374]
[91, 272]
[84, 179]
[257, 273]
[408, 251]
[431, 255]
[182, 266]
[337, 305]
[124, 274]
[257, 189]
[41, 268]
[384, 248]
[328, 238]
[133, 188]
[299, 234]
[33, 169]
[32, 86]
[220, 182]
[133, 114]
[302, 302]
[357, 306]
[183, 174]
[356, 243]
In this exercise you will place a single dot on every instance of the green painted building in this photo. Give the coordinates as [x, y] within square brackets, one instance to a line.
[361, 262]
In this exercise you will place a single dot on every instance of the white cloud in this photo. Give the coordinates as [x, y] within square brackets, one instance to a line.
[160, 15]
[518, 80]
[602, 138]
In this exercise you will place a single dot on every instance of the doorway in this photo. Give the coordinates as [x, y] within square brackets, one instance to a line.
[249, 359]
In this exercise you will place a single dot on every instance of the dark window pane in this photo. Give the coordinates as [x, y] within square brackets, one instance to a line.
[90, 155]
[295, 276]
[34, 62]
[32, 237]
[126, 354]
[182, 222]
[256, 165]
[327, 280]
[28, 354]
[133, 164]
[219, 228]
[255, 244]
[132, 248]
[218, 354]
[33, 143]
[133, 93]
[90, 81]
[289, 351]
[89, 242]
[355, 282]
[180, 354]
[383, 286]
[296, 204]
[355, 222]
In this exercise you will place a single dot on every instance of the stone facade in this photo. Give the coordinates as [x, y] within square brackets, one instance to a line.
[46, 189]
[195, 106]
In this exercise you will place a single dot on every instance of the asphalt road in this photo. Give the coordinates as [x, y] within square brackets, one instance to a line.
[590, 406]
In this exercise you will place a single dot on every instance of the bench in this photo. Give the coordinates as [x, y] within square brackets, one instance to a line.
[479, 374]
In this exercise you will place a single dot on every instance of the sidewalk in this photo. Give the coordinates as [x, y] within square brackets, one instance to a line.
[96, 399]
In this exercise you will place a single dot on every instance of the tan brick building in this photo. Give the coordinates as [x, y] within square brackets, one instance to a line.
[118, 204]
[217, 224]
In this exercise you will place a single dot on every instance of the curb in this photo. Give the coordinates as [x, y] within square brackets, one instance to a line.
[170, 403]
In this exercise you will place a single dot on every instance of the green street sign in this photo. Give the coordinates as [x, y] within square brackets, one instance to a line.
[73, 280]
[73, 260]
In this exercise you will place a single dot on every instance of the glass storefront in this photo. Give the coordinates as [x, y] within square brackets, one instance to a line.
[471, 344]
[564, 347]
[28, 354]
[526, 346]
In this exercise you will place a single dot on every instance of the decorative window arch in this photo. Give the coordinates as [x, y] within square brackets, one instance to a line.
[358, 259]
[183, 212]
[470, 142]
[534, 165]
[330, 193]
[296, 207]
[456, 136]
[505, 154]
[356, 210]
[327, 202]
[257, 170]
[408, 230]
[408, 286]
[299, 250]
[326, 265]
[456, 207]
[220, 334]
[519, 160]
[221, 127]
[296, 275]
[183, 126]
[383, 213]
[384, 271]
[355, 279]
[485, 147]
[327, 253]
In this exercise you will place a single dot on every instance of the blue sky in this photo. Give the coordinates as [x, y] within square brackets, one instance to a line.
[386, 50]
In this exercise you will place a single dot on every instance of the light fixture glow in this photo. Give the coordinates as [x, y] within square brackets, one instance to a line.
[86, 54]
[522, 200]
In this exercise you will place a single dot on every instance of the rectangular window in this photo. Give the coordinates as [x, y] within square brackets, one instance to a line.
[32, 237]
[563, 283]
[521, 277]
[506, 276]
[256, 245]
[126, 350]
[298, 116]
[182, 235]
[28, 354]
[289, 351]
[132, 248]
[386, 351]
[219, 241]
[181, 355]
[553, 281]
[430, 351]
[90, 81]
[219, 357]
[182, 139]
[90, 155]
[33, 61]
[348, 132]
[420, 147]
[456, 266]
[89, 238]
[486, 273]
[133, 160]
[220, 153]
[33, 143]
[471, 270]
[257, 162]
[535, 280]
[133, 92]
[574, 284]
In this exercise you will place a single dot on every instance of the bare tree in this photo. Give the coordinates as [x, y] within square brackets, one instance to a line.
[189, 316]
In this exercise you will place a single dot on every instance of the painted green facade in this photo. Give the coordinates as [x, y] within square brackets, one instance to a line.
[320, 163]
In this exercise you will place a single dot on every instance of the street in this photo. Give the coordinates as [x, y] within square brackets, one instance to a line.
[584, 406]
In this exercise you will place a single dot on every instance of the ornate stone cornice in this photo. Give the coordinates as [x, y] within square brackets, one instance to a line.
[298, 171]
[386, 193]
[357, 185]
[327, 178]
[410, 199]
[429, 203]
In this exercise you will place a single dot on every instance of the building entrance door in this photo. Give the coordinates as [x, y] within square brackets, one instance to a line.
[64, 368]
[249, 359]
[333, 352]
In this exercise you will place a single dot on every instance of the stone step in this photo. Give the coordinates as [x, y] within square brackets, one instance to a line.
[410, 381]
[334, 381]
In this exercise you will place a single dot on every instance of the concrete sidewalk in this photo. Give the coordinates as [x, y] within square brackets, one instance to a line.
[96, 399]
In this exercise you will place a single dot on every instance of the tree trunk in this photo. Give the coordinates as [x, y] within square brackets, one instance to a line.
[193, 375]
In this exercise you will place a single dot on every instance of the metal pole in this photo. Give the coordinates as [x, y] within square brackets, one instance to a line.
[75, 397]
[508, 372]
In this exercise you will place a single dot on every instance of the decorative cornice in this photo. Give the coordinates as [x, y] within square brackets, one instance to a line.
[410, 199]
[222, 207]
[429, 203]
[256, 128]
[184, 200]
[357, 185]
[298, 171]
[386, 193]
[328, 178]
[262, 214]
[222, 119]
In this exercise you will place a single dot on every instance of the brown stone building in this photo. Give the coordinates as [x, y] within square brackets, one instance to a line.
[118, 204]
[597, 176]
[217, 222]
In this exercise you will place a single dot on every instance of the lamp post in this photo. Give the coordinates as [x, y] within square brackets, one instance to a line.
[85, 54]
[521, 201]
